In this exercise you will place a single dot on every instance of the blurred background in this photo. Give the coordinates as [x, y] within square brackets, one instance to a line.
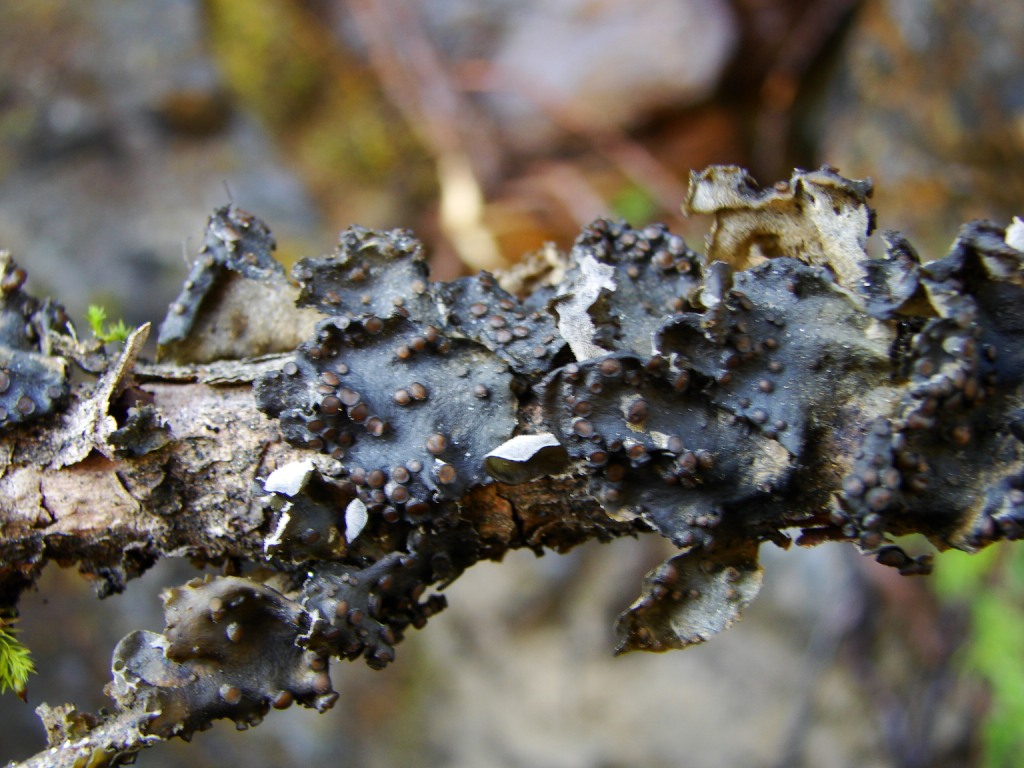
[491, 127]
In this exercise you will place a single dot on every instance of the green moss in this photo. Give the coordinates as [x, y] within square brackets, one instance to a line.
[15, 661]
[274, 66]
[106, 332]
[322, 103]
[634, 205]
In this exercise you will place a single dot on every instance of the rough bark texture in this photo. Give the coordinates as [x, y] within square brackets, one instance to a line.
[396, 431]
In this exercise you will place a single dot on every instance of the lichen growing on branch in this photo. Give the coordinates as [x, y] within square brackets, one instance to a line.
[33, 382]
[783, 385]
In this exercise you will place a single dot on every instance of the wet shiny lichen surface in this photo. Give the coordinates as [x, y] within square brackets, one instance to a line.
[784, 386]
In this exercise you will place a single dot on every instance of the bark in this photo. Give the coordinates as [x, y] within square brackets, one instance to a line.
[345, 446]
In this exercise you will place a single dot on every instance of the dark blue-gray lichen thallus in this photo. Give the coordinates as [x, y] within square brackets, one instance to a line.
[783, 382]
[408, 384]
[33, 380]
[236, 302]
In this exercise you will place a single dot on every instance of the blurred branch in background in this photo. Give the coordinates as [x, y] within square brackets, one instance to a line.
[324, 107]
[807, 41]
[467, 155]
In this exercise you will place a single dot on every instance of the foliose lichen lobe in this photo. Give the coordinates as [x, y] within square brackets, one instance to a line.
[818, 216]
[686, 600]
[407, 383]
[951, 452]
[409, 411]
[33, 378]
[370, 273]
[212, 319]
[782, 345]
[651, 272]
[477, 308]
[234, 241]
[229, 650]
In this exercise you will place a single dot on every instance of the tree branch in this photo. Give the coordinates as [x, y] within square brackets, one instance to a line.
[396, 431]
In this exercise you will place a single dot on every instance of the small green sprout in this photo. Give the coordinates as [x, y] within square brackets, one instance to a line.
[15, 661]
[97, 317]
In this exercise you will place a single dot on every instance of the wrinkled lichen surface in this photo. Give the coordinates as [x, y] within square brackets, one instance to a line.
[782, 386]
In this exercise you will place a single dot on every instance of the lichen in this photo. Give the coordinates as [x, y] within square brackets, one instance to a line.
[477, 308]
[817, 216]
[951, 451]
[229, 650]
[369, 274]
[784, 385]
[783, 344]
[686, 600]
[408, 410]
[703, 388]
[648, 274]
[212, 318]
[655, 450]
[33, 380]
